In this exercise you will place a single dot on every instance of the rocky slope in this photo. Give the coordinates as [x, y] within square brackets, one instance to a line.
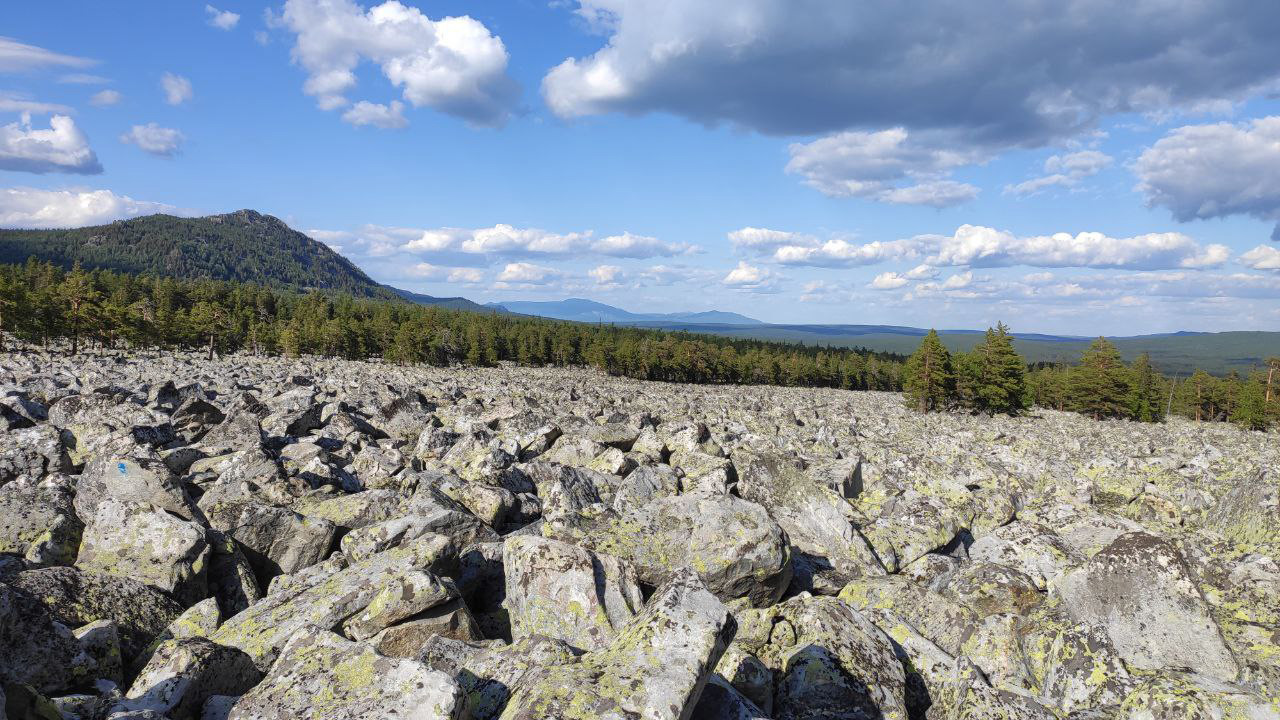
[265, 538]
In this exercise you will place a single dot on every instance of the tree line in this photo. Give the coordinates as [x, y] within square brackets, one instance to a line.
[993, 378]
[41, 303]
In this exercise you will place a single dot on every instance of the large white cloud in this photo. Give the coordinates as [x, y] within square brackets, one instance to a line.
[151, 138]
[60, 148]
[1262, 258]
[528, 274]
[454, 65]
[17, 56]
[1209, 171]
[979, 246]
[889, 166]
[456, 245]
[1005, 71]
[33, 208]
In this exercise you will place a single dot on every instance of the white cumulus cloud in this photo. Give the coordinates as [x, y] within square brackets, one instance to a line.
[387, 117]
[60, 148]
[32, 208]
[1262, 258]
[888, 166]
[1064, 171]
[1212, 171]
[151, 138]
[888, 281]
[627, 245]
[516, 275]
[177, 89]
[453, 65]
[221, 19]
[753, 279]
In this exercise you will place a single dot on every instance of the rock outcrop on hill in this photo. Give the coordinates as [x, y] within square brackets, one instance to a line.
[253, 539]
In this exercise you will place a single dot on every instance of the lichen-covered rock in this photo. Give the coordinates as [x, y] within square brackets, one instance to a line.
[563, 591]
[322, 676]
[1181, 695]
[655, 668]
[137, 479]
[275, 540]
[488, 673]
[137, 541]
[989, 588]
[815, 517]
[37, 650]
[830, 661]
[462, 527]
[451, 619]
[39, 522]
[731, 543]
[75, 598]
[400, 597]
[1031, 548]
[1139, 591]
[185, 672]
[32, 453]
[326, 600]
[911, 525]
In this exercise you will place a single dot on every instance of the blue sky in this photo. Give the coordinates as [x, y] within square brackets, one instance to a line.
[1099, 170]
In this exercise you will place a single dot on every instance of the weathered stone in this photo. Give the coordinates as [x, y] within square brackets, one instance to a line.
[183, 673]
[136, 541]
[732, 543]
[562, 591]
[655, 668]
[1138, 590]
[321, 676]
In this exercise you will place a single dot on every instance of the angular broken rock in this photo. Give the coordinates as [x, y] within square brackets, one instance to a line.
[563, 591]
[734, 546]
[325, 600]
[655, 668]
[185, 672]
[138, 541]
[322, 676]
[1138, 590]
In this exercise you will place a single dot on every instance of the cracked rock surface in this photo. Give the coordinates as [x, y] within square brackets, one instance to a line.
[261, 538]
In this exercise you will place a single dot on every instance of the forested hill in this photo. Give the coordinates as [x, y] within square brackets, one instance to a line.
[243, 246]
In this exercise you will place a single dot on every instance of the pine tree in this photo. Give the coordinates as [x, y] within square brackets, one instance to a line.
[79, 295]
[1251, 408]
[993, 376]
[1202, 385]
[1146, 397]
[928, 378]
[1098, 386]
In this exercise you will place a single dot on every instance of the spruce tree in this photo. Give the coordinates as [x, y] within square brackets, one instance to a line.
[1098, 385]
[1251, 407]
[993, 376]
[928, 378]
[1146, 398]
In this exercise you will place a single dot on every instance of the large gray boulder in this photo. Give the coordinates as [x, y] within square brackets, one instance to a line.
[39, 522]
[737, 550]
[322, 676]
[1139, 591]
[183, 673]
[655, 668]
[815, 517]
[325, 600]
[562, 591]
[135, 540]
[275, 540]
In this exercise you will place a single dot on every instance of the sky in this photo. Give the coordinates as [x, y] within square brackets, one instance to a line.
[1076, 167]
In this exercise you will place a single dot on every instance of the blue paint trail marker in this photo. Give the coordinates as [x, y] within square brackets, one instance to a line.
[122, 468]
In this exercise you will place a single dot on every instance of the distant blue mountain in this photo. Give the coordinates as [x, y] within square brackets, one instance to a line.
[582, 310]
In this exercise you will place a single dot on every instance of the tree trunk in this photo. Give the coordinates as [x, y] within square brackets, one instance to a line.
[1270, 373]
[211, 346]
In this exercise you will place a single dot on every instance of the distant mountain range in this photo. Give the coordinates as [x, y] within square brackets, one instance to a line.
[247, 246]
[581, 310]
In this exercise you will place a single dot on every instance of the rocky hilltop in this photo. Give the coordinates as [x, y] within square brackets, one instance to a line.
[271, 539]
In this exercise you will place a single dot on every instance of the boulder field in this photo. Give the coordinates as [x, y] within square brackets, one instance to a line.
[270, 539]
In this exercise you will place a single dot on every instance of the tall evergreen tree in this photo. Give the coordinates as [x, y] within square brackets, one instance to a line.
[1098, 385]
[1146, 397]
[993, 376]
[928, 378]
[1251, 407]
